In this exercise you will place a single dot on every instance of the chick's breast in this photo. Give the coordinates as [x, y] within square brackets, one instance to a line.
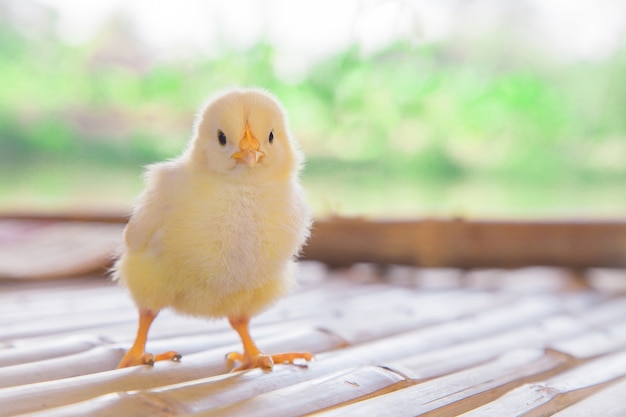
[220, 249]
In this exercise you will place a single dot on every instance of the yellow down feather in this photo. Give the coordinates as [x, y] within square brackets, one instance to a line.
[211, 236]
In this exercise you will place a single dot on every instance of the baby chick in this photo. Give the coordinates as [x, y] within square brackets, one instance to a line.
[216, 230]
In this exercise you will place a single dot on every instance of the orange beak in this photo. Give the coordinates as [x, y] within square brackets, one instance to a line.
[249, 152]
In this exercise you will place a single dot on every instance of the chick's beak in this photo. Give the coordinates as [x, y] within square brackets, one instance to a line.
[249, 152]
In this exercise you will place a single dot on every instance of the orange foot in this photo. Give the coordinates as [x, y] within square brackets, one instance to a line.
[137, 354]
[142, 358]
[252, 357]
[260, 360]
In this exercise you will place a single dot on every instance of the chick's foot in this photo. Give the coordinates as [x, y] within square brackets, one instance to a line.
[292, 357]
[265, 362]
[142, 358]
[137, 355]
[252, 357]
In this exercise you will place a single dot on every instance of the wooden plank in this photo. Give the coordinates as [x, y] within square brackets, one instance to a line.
[55, 393]
[39, 352]
[606, 403]
[92, 216]
[307, 396]
[595, 342]
[469, 244]
[443, 243]
[212, 363]
[58, 324]
[373, 316]
[556, 394]
[459, 392]
[313, 395]
[61, 249]
[98, 359]
[534, 335]
[609, 280]
[112, 405]
[606, 311]
[103, 356]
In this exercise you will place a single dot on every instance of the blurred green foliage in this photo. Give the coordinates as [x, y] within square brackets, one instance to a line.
[406, 114]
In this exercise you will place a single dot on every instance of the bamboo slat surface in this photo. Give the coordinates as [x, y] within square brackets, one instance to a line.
[483, 347]
[389, 340]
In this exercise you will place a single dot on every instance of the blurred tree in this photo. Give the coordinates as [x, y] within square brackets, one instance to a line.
[475, 106]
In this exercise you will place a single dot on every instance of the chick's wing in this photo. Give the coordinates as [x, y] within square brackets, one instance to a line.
[143, 229]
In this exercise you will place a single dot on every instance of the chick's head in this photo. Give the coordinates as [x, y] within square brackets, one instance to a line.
[244, 133]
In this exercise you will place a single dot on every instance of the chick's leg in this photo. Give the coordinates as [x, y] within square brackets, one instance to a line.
[252, 357]
[137, 354]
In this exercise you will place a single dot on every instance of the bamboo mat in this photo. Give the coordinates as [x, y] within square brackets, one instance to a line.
[393, 341]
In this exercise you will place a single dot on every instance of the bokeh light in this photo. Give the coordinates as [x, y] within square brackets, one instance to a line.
[404, 109]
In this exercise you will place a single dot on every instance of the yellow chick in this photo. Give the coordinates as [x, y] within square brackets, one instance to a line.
[216, 230]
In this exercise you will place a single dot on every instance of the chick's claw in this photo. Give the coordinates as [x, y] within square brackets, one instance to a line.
[171, 356]
[265, 362]
[292, 357]
[133, 358]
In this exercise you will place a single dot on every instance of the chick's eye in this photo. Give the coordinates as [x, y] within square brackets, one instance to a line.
[221, 137]
[271, 138]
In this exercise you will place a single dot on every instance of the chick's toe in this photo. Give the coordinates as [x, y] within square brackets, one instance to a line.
[262, 361]
[142, 358]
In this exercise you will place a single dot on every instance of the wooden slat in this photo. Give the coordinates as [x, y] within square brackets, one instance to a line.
[463, 355]
[388, 340]
[54, 393]
[477, 343]
[104, 356]
[303, 397]
[558, 393]
[38, 352]
[221, 392]
[607, 403]
[395, 312]
[60, 249]
[457, 357]
[92, 216]
[469, 244]
[595, 342]
[439, 242]
[314, 395]
[461, 391]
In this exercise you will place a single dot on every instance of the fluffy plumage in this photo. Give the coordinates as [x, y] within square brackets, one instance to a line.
[216, 230]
